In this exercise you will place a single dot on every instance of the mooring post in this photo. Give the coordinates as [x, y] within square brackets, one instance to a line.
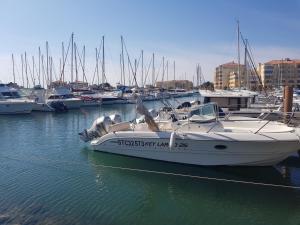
[287, 102]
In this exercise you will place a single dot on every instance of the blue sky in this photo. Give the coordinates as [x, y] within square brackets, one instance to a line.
[189, 31]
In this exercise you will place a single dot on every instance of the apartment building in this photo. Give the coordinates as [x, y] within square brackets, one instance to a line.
[183, 84]
[226, 75]
[278, 73]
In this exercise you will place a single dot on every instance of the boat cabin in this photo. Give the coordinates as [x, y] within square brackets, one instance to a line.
[232, 100]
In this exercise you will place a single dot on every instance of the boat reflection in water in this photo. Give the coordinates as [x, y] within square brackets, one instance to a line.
[144, 193]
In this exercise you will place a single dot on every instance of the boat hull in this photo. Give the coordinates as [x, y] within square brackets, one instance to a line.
[22, 107]
[42, 107]
[200, 149]
[71, 103]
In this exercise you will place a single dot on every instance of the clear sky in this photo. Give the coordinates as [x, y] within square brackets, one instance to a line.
[188, 31]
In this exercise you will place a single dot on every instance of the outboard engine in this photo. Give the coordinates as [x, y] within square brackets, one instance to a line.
[141, 119]
[115, 118]
[58, 106]
[99, 128]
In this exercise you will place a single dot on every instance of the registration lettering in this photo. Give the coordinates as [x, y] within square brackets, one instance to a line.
[149, 144]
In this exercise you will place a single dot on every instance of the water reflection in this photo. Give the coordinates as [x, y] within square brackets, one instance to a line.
[199, 198]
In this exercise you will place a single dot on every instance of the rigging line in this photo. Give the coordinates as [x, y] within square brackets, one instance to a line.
[147, 72]
[83, 66]
[43, 70]
[99, 59]
[80, 62]
[134, 75]
[31, 75]
[38, 159]
[158, 71]
[199, 177]
[17, 70]
[138, 62]
[253, 65]
[65, 59]
[53, 68]
[109, 62]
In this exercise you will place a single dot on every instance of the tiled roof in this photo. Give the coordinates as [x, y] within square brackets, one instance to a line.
[230, 64]
[283, 61]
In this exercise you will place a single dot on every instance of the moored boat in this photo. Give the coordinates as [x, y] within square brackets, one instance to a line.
[11, 102]
[200, 140]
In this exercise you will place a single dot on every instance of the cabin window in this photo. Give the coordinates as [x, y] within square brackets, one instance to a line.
[11, 94]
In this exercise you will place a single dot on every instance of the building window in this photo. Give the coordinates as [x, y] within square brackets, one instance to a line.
[268, 71]
[268, 67]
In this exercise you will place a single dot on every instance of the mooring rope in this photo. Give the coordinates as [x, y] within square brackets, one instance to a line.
[198, 177]
[165, 173]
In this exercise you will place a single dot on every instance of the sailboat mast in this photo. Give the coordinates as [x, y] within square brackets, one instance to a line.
[83, 66]
[13, 62]
[63, 62]
[245, 62]
[43, 69]
[153, 70]
[22, 61]
[33, 78]
[174, 74]
[103, 60]
[51, 69]
[75, 58]
[239, 59]
[167, 74]
[47, 61]
[121, 69]
[134, 75]
[27, 81]
[72, 55]
[142, 83]
[97, 66]
[123, 63]
[39, 77]
[163, 74]
[129, 72]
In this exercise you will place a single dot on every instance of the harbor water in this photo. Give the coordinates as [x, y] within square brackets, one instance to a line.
[49, 176]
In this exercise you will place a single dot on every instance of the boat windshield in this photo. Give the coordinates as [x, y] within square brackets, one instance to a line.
[61, 96]
[209, 110]
[10, 94]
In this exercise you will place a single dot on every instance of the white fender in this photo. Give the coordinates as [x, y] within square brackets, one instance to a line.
[172, 140]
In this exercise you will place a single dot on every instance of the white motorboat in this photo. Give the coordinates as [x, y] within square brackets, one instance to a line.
[11, 101]
[110, 98]
[89, 98]
[200, 140]
[65, 96]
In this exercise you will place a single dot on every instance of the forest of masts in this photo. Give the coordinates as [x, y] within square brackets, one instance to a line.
[134, 72]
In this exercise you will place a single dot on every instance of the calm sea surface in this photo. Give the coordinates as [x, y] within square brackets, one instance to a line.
[48, 176]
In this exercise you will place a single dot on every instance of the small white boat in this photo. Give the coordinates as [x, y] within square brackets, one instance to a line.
[200, 140]
[110, 98]
[12, 103]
